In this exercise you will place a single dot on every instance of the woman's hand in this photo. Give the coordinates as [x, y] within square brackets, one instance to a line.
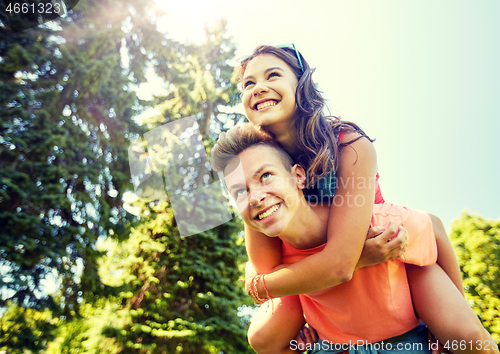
[382, 246]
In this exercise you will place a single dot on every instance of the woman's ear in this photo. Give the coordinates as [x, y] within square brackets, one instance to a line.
[300, 176]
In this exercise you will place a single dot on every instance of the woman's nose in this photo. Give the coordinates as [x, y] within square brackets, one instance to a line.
[259, 89]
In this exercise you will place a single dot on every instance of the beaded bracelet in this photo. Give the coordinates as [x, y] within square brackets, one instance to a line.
[251, 290]
[254, 290]
[269, 297]
[265, 288]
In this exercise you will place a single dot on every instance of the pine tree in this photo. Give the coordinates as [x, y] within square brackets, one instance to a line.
[477, 244]
[183, 293]
[65, 125]
[65, 122]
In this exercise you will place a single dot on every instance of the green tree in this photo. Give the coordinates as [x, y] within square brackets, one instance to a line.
[66, 108]
[24, 328]
[182, 293]
[66, 122]
[83, 334]
[477, 244]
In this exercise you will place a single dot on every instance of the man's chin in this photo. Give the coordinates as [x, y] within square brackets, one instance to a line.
[271, 233]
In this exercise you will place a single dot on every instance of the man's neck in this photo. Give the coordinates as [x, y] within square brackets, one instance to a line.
[309, 230]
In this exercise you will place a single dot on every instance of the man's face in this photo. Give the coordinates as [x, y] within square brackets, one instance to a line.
[266, 193]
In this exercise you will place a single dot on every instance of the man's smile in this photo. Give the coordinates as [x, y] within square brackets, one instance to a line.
[268, 212]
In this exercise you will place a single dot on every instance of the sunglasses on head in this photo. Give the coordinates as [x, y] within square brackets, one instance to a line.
[296, 52]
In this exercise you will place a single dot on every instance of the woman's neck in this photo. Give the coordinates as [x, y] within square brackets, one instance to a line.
[287, 138]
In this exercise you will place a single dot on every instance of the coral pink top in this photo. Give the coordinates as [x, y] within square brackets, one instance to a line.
[376, 303]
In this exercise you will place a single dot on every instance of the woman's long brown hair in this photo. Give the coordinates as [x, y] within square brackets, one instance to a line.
[317, 133]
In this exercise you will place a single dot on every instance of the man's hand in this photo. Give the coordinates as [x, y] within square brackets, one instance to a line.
[307, 335]
[383, 245]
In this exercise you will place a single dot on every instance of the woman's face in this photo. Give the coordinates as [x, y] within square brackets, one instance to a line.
[269, 86]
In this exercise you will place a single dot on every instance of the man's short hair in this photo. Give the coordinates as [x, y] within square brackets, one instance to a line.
[242, 137]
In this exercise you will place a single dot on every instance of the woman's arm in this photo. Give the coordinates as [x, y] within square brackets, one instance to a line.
[348, 223]
[382, 245]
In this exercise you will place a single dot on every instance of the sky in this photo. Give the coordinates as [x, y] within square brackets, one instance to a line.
[422, 77]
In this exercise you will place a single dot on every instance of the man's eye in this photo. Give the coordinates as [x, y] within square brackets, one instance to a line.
[239, 193]
[265, 176]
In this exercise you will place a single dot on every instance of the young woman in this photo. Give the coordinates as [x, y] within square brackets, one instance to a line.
[280, 98]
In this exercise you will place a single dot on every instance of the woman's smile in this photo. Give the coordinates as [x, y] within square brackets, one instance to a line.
[269, 86]
[263, 104]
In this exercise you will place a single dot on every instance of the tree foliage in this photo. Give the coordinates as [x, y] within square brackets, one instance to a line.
[25, 329]
[66, 115]
[181, 292]
[66, 121]
[477, 244]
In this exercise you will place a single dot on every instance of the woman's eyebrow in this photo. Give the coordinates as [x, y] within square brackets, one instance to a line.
[265, 72]
[274, 68]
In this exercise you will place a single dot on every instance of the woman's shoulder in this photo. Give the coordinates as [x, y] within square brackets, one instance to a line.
[346, 138]
[345, 133]
[361, 150]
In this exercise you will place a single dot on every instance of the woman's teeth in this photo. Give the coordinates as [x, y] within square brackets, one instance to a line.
[265, 104]
[269, 212]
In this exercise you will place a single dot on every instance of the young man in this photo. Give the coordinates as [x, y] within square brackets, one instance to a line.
[375, 305]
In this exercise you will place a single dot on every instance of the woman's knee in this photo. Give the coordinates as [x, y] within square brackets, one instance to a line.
[438, 226]
[473, 332]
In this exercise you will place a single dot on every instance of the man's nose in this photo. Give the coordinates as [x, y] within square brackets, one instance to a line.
[256, 198]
